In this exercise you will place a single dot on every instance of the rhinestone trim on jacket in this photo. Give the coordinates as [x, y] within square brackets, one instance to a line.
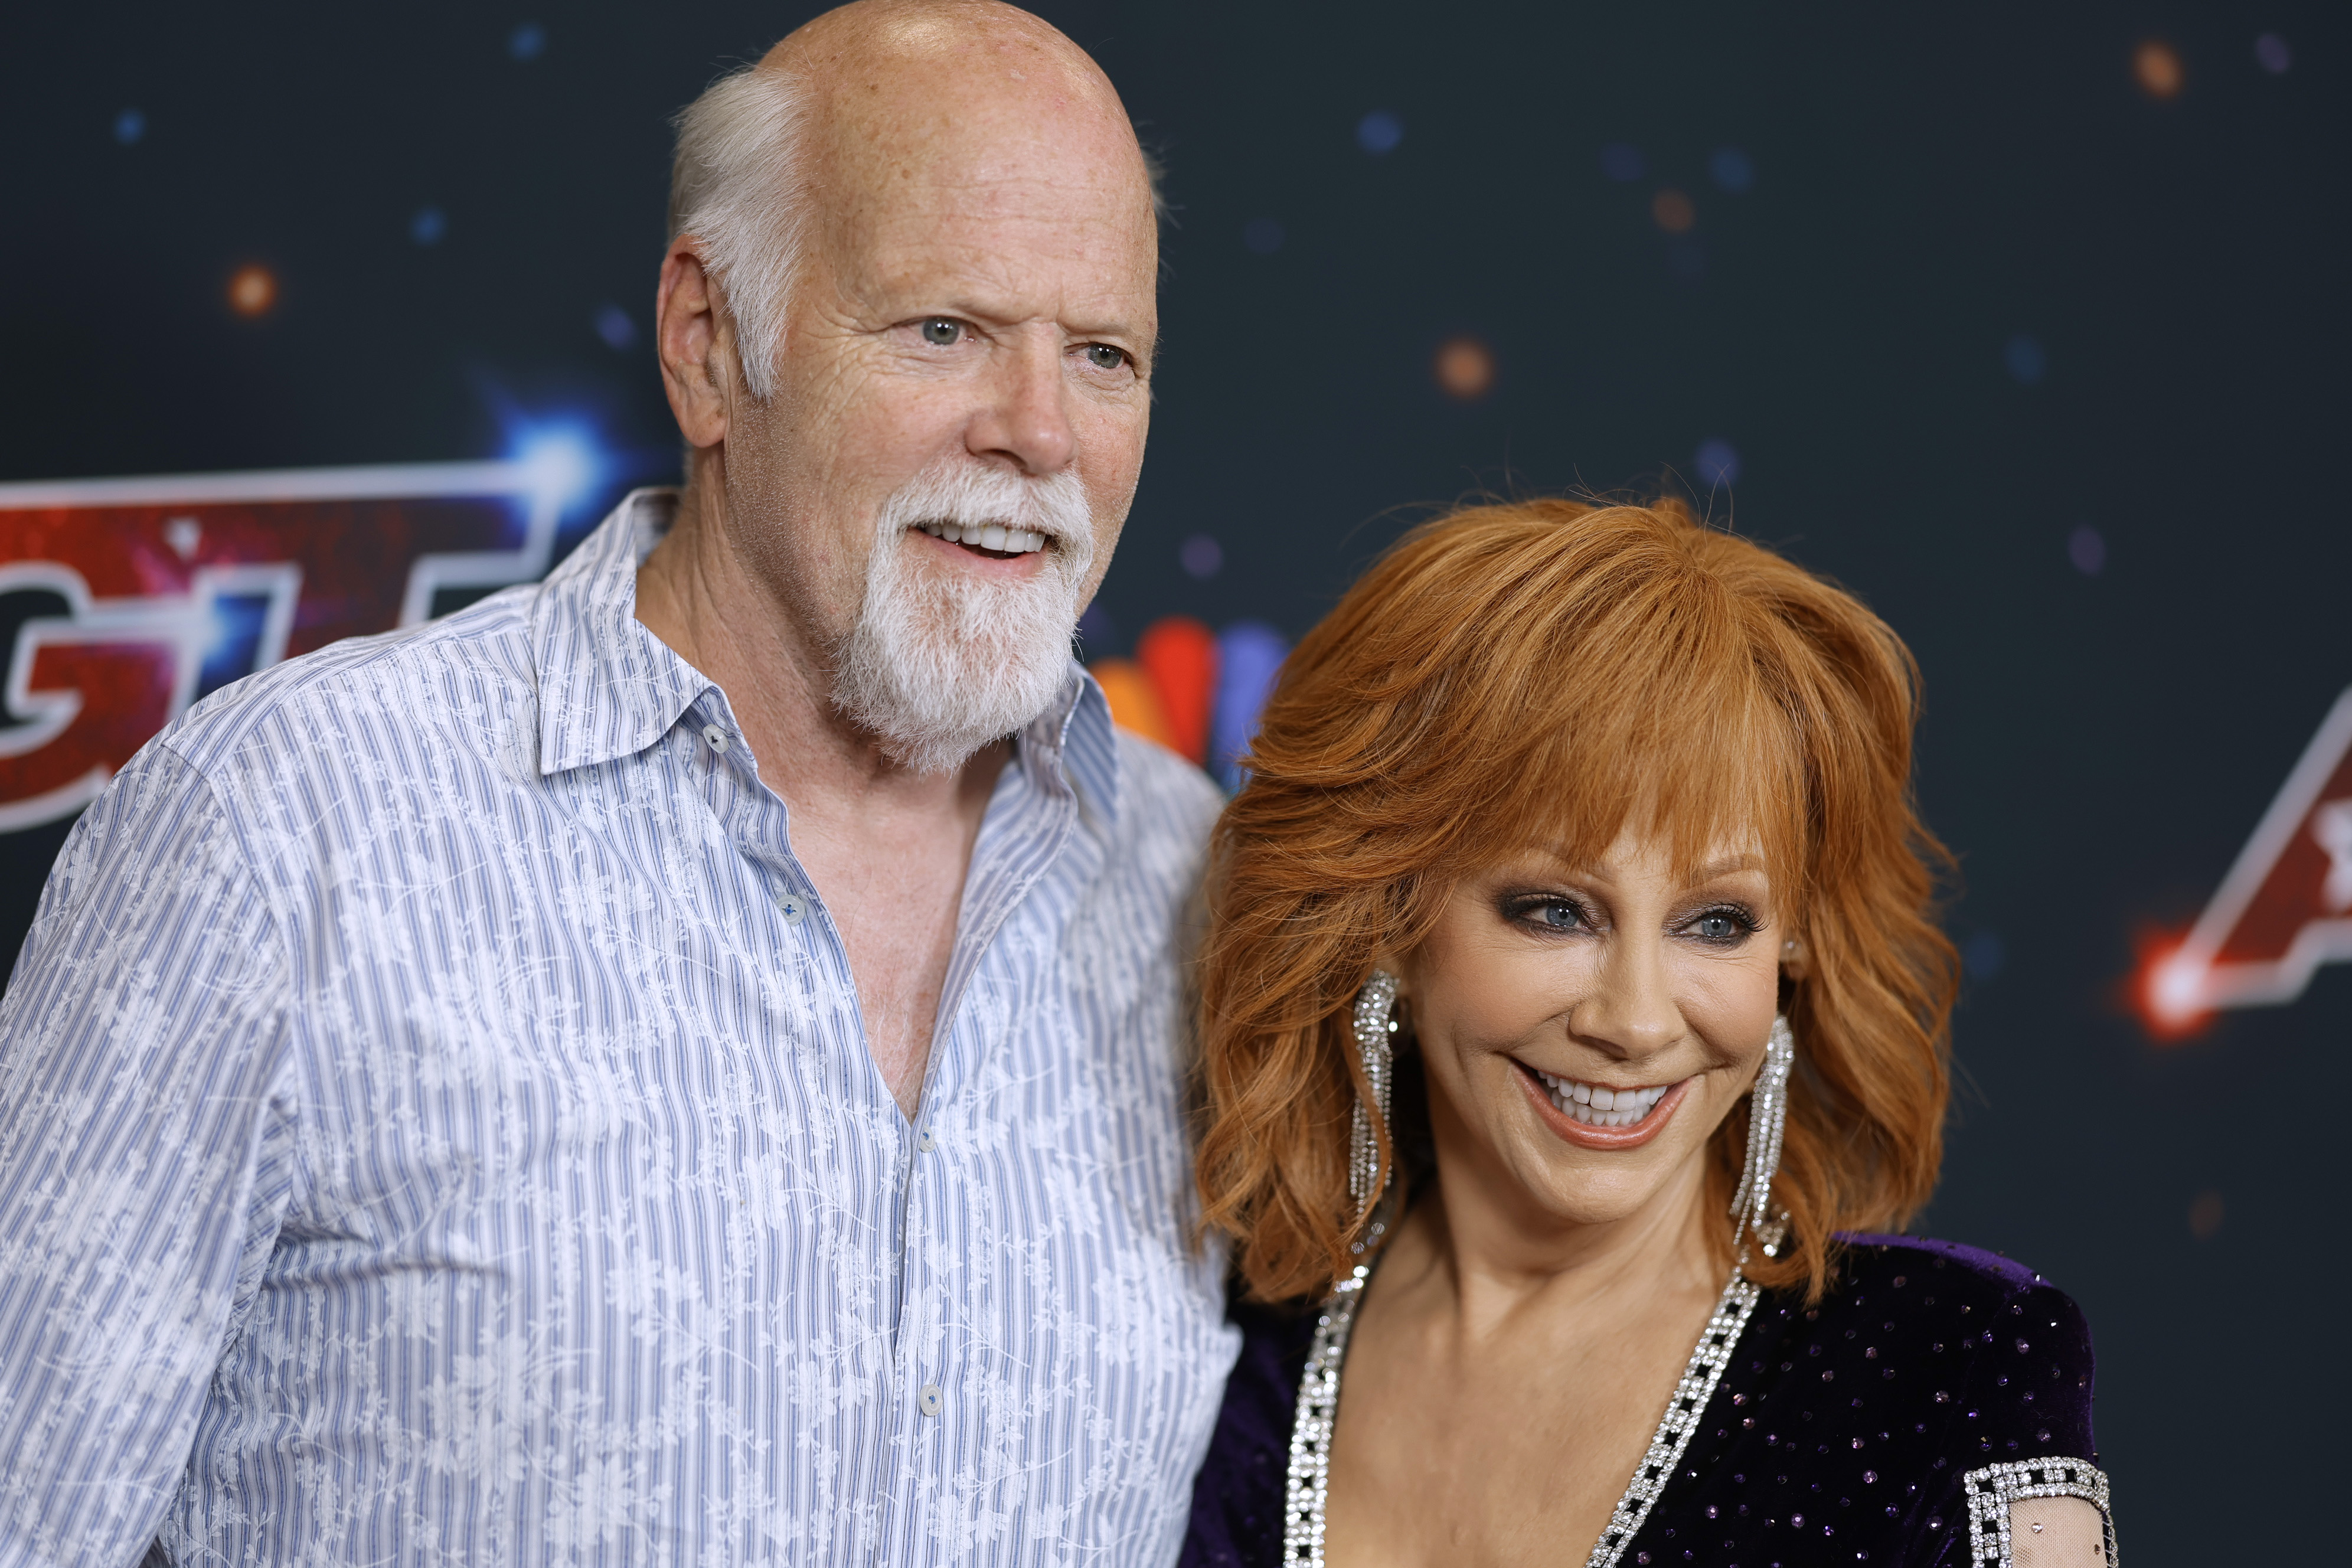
[1991, 1490]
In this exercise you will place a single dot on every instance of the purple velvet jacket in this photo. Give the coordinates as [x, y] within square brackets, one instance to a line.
[1838, 1433]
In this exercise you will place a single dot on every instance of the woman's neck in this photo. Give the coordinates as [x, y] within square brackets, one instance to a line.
[1482, 1239]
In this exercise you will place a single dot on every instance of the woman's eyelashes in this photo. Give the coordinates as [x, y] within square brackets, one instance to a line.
[1553, 914]
[1722, 925]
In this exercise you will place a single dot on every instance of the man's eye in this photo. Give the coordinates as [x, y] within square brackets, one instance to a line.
[1102, 356]
[943, 332]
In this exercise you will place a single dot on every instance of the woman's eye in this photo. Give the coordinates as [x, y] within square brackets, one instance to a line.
[1102, 356]
[1558, 916]
[1720, 926]
[942, 331]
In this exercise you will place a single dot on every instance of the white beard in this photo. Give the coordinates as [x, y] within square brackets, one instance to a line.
[940, 665]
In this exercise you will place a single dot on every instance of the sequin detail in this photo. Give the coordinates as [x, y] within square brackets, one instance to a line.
[1991, 1490]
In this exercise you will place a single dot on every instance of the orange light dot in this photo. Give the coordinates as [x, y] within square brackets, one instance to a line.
[1673, 211]
[1466, 368]
[2158, 68]
[252, 290]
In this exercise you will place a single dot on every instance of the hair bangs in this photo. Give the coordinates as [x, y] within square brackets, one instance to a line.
[1661, 724]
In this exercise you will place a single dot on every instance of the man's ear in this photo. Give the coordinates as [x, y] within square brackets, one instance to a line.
[695, 341]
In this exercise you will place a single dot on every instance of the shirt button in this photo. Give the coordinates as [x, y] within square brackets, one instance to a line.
[717, 737]
[794, 908]
[929, 1400]
[924, 1142]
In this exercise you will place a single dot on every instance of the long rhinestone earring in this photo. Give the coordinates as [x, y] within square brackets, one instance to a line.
[1768, 1119]
[1375, 1021]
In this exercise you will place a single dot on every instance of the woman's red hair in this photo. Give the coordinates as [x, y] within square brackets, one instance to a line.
[1546, 672]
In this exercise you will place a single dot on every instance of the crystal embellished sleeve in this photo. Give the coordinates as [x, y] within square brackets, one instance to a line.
[2028, 1421]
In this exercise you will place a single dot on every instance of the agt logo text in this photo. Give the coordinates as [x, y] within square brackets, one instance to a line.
[2284, 908]
[123, 601]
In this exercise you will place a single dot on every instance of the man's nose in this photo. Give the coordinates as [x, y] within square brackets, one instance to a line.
[1025, 416]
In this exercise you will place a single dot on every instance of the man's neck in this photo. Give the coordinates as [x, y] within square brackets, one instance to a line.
[696, 594]
[887, 847]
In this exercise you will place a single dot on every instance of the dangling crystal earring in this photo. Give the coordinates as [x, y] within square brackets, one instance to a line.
[1767, 1118]
[1375, 1022]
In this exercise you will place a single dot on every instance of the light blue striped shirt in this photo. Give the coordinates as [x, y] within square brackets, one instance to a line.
[435, 1126]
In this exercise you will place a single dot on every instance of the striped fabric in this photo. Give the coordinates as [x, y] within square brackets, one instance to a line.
[435, 1127]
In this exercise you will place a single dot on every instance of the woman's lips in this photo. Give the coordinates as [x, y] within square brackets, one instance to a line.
[1584, 1134]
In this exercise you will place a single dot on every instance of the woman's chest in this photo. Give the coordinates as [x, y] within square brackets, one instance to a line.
[1505, 1452]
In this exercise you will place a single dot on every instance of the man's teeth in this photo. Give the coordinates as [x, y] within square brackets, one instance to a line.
[1599, 1107]
[988, 536]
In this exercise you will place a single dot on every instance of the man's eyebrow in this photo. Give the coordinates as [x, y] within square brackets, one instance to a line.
[968, 306]
[1112, 329]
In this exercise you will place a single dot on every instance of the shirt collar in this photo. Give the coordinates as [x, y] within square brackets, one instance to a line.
[1071, 748]
[608, 687]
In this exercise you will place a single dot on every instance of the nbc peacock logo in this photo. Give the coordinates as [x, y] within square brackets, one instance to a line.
[1197, 692]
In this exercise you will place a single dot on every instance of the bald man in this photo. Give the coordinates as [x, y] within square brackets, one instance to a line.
[681, 1063]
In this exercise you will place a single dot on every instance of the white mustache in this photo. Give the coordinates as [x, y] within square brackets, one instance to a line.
[963, 500]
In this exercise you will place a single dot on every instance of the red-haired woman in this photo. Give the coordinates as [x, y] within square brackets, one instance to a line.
[1589, 831]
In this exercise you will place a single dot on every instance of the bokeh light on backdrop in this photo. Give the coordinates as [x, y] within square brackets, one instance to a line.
[2023, 322]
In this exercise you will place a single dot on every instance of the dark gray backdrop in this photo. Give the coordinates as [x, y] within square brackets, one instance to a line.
[1927, 191]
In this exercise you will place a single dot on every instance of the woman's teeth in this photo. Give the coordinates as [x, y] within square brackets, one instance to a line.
[1598, 1107]
[987, 535]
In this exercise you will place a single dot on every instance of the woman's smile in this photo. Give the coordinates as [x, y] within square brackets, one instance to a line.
[1594, 1116]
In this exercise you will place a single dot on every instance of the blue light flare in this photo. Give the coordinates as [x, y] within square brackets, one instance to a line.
[562, 463]
[234, 651]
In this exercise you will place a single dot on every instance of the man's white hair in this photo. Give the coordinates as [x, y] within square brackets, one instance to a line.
[740, 185]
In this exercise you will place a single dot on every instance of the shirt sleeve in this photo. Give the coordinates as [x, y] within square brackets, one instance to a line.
[146, 1155]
